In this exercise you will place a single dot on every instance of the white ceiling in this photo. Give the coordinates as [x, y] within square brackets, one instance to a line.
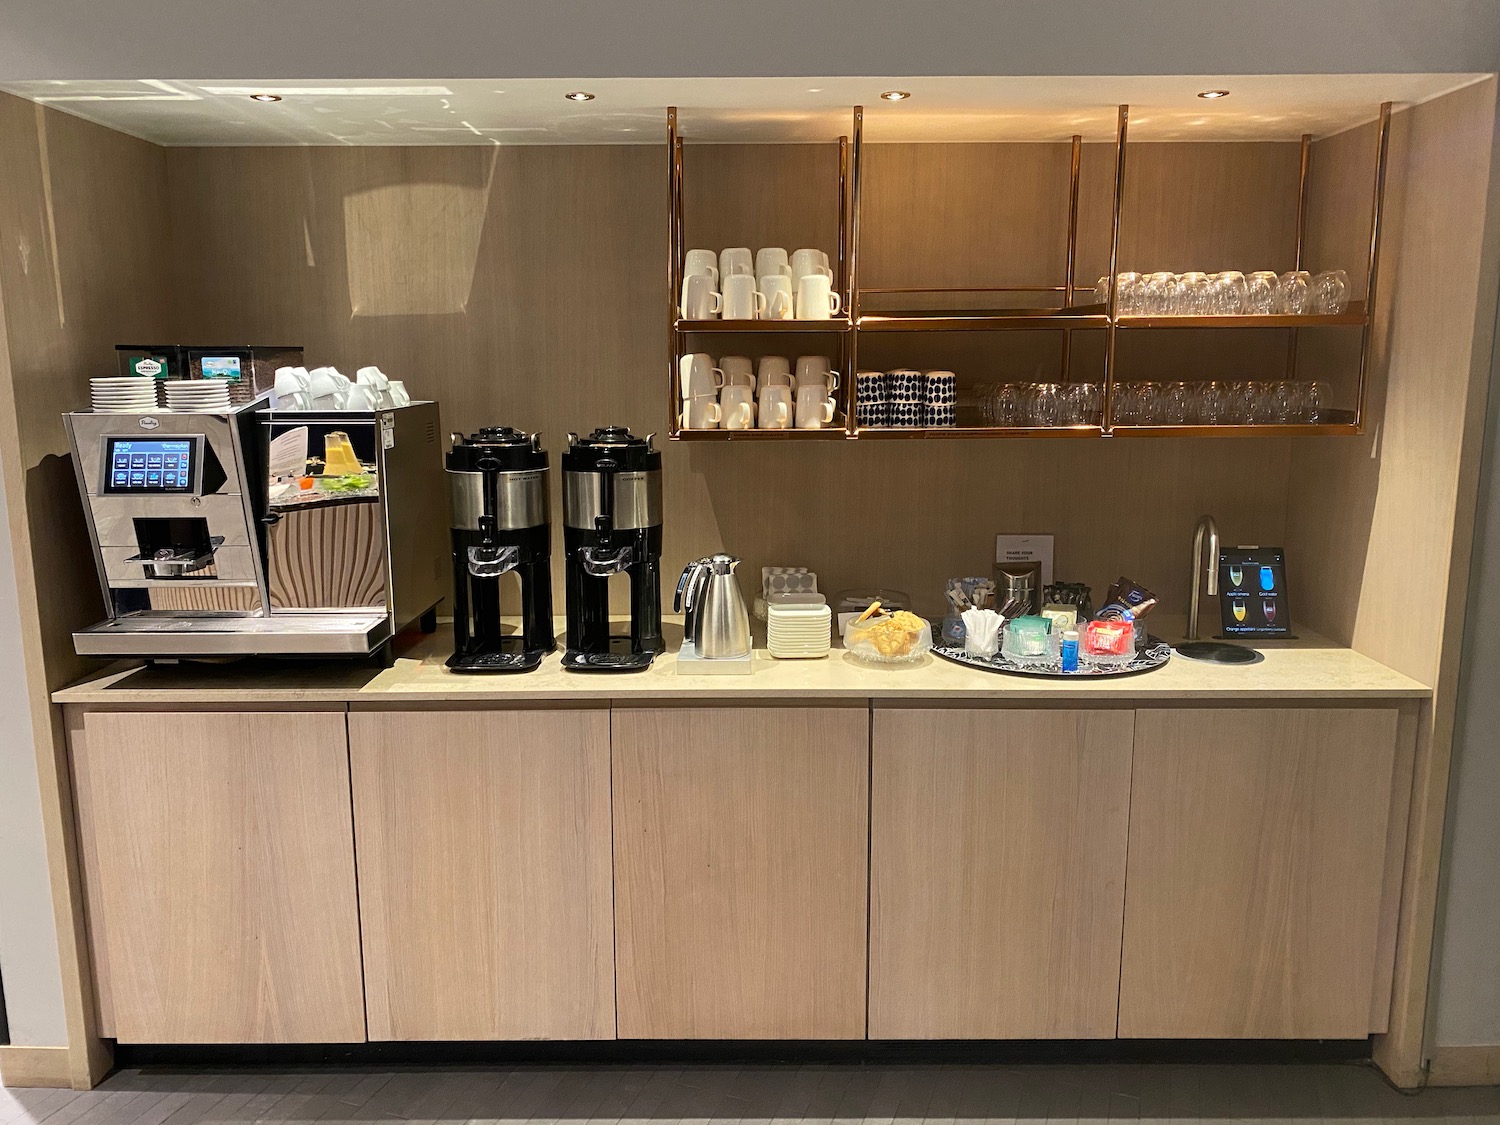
[632, 110]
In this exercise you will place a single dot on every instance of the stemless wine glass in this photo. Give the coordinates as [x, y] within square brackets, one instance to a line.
[1330, 292]
[1294, 293]
[1046, 407]
[1260, 292]
[1230, 293]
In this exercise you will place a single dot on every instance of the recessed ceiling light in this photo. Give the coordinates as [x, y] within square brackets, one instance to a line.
[265, 97]
[815, 89]
[579, 96]
[896, 95]
[1211, 94]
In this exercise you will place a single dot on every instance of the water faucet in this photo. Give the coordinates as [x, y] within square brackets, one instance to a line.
[1202, 567]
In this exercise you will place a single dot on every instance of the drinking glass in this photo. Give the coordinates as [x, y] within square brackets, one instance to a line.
[1330, 292]
[1229, 295]
[1238, 405]
[1045, 405]
[1129, 291]
[1158, 294]
[1268, 608]
[1211, 406]
[1239, 610]
[1236, 575]
[1193, 295]
[1284, 406]
[1315, 400]
[1260, 292]
[1175, 405]
[1260, 399]
[1294, 293]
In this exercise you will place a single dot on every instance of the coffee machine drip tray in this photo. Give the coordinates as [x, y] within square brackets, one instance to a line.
[343, 633]
[496, 660]
[620, 657]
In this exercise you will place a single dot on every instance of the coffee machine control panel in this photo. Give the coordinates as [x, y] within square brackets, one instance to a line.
[153, 465]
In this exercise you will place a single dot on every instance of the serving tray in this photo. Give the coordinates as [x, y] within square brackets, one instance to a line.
[1154, 655]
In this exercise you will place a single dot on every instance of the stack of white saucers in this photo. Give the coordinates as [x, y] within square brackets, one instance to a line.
[197, 396]
[798, 631]
[122, 394]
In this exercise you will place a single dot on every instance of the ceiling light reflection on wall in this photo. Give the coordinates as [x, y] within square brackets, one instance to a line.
[1211, 94]
[579, 96]
[896, 95]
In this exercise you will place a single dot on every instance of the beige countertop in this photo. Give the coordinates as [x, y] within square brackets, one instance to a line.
[1311, 668]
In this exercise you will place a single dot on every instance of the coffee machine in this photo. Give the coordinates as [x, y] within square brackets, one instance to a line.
[497, 481]
[220, 532]
[612, 526]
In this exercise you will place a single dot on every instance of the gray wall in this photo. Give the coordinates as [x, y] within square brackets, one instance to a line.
[29, 969]
[1468, 955]
[371, 39]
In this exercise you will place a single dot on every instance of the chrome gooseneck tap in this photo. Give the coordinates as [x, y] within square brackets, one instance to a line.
[1203, 568]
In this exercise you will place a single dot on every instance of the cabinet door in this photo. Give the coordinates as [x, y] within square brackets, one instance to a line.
[997, 876]
[1257, 855]
[484, 873]
[219, 856]
[741, 872]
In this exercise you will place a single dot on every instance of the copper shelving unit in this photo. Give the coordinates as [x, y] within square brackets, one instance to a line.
[1065, 317]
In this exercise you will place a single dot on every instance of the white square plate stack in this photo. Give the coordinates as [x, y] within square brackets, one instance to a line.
[798, 630]
[122, 394]
[197, 396]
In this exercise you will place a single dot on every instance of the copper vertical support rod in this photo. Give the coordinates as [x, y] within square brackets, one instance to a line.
[1377, 205]
[852, 278]
[1122, 128]
[841, 282]
[674, 269]
[1072, 264]
[1291, 343]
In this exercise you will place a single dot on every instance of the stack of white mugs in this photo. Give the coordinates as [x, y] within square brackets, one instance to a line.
[741, 394]
[770, 285]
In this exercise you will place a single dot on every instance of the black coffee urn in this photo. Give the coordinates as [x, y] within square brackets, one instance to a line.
[612, 526]
[498, 483]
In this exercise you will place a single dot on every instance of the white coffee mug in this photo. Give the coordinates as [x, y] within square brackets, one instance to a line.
[359, 397]
[736, 260]
[699, 299]
[814, 407]
[737, 407]
[772, 260]
[738, 370]
[774, 371]
[815, 370]
[698, 376]
[775, 408]
[326, 382]
[399, 394]
[701, 413]
[742, 301]
[807, 261]
[816, 299]
[701, 261]
[780, 304]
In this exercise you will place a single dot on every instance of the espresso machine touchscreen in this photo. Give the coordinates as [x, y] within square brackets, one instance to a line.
[166, 465]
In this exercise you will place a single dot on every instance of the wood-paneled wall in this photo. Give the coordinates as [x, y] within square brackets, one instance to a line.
[526, 286]
[83, 266]
[1383, 525]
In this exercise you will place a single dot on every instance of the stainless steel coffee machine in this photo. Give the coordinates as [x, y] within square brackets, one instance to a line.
[253, 532]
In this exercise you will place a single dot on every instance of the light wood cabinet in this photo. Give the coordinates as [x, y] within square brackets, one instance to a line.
[997, 877]
[741, 872]
[219, 866]
[1258, 842]
[484, 873]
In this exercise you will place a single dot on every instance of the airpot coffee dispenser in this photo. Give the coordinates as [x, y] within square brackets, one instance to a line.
[612, 526]
[498, 483]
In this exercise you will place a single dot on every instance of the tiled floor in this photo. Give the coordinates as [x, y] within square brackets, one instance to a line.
[754, 1095]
